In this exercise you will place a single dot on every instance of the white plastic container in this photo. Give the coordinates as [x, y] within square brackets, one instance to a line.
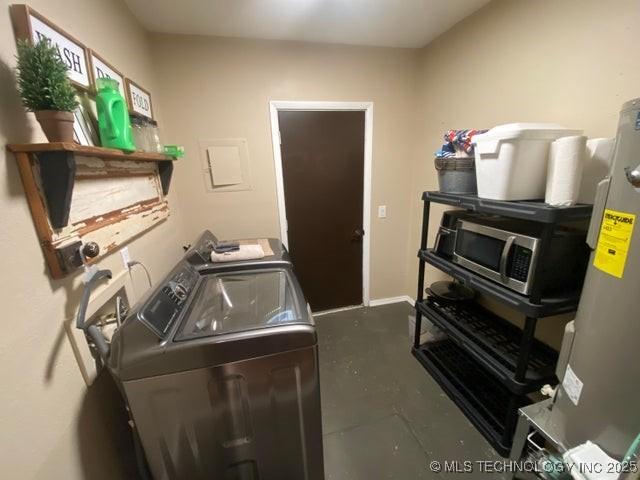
[511, 159]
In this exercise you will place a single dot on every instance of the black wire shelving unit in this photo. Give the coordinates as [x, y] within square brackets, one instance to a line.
[486, 364]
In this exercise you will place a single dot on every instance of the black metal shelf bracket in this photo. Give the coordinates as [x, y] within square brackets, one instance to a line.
[165, 171]
[57, 175]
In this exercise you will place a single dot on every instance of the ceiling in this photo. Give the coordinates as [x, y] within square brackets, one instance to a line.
[385, 23]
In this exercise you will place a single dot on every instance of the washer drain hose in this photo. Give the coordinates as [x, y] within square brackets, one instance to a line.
[92, 331]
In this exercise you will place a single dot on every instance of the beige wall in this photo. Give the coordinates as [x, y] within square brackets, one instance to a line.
[572, 62]
[219, 88]
[51, 427]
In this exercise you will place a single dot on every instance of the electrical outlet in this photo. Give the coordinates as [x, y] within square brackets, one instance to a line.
[382, 211]
[126, 258]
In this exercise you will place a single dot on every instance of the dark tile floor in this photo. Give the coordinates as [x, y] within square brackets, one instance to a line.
[383, 416]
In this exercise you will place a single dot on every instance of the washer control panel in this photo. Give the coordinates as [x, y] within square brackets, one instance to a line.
[164, 307]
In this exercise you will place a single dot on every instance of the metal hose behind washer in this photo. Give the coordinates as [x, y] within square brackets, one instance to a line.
[92, 331]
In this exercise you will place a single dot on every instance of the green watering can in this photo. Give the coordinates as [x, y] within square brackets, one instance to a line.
[113, 117]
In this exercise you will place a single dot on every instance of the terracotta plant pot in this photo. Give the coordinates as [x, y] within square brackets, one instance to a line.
[57, 125]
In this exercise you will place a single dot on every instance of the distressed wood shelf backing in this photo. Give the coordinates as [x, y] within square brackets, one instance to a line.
[80, 194]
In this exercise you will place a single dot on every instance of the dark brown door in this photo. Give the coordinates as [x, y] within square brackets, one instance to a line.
[323, 172]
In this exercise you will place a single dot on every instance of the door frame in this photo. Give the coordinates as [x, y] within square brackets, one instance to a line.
[276, 106]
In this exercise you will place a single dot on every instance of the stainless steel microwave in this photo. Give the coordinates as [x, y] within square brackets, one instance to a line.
[507, 251]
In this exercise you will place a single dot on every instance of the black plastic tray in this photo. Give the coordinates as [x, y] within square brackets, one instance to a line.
[535, 210]
[548, 306]
[493, 342]
[484, 401]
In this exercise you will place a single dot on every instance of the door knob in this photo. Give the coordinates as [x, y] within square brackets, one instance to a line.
[90, 250]
[358, 233]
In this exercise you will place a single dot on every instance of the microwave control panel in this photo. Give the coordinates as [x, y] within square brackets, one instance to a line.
[520, 263]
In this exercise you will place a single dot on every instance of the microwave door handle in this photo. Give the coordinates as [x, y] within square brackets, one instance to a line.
[505, 255]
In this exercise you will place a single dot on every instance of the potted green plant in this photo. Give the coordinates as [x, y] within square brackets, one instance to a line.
[46, 89]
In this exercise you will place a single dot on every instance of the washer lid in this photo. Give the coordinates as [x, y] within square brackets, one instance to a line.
[232, 302]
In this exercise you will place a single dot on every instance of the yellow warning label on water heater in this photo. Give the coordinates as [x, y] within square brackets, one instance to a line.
[613, 243]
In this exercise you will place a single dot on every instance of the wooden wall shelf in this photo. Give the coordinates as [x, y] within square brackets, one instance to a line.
[120, 195]
[110, 153]
[58, 167]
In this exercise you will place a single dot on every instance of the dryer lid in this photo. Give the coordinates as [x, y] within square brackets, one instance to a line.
[233, 302]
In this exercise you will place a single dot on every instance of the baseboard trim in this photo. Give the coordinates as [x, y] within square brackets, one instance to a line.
[390, 300]
[373, 303]
[335, 310]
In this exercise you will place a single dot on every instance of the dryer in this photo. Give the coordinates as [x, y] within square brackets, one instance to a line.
[199, 254]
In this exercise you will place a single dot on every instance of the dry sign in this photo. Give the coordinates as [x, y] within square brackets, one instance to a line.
[139, 99]
[30, 25]
[101, 69]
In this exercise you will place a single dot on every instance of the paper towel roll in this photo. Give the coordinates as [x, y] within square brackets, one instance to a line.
[564, 171]
[596, 166]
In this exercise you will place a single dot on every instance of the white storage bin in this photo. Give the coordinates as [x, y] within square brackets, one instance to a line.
[511, 159]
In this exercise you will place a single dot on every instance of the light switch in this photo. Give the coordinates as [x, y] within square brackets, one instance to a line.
[382, 211]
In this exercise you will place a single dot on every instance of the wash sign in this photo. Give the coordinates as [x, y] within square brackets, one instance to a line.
[71, 52]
